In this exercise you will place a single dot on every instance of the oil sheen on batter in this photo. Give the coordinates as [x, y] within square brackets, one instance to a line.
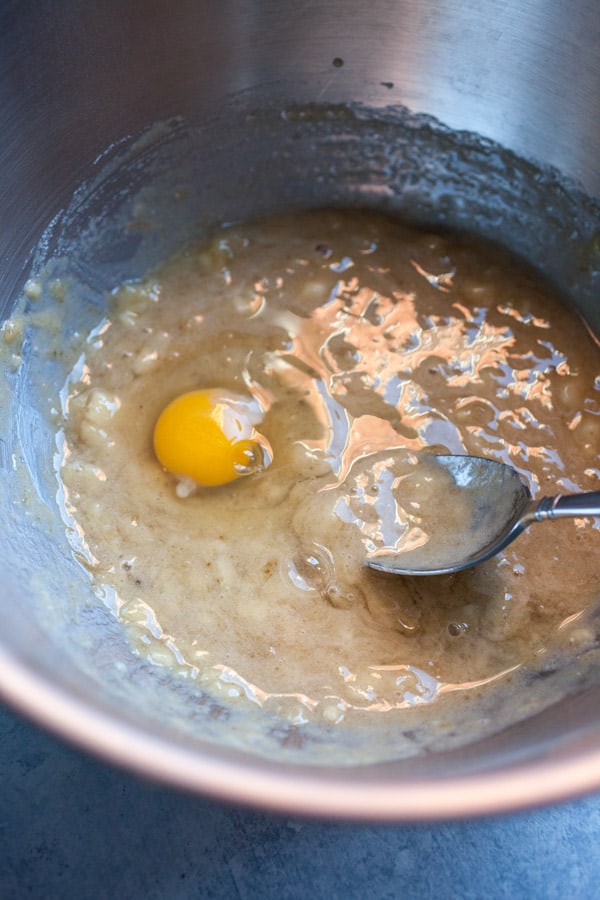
[365, 343]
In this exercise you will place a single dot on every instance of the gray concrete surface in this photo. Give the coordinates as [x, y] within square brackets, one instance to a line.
[74, 828]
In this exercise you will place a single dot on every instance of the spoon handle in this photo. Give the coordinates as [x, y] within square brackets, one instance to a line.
[564, 505]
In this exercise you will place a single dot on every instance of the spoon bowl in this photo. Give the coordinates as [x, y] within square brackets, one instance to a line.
[482, 506]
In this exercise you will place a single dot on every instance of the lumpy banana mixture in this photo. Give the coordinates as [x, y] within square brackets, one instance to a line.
[367, 343]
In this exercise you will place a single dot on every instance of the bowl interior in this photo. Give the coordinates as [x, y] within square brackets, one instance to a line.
[276, 117]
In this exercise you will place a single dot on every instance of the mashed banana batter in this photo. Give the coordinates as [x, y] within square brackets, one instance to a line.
[362, 343]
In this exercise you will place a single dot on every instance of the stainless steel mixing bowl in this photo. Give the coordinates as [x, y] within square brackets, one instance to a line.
[252, 99]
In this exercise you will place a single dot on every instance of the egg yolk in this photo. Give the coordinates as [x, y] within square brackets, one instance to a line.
[208, 436]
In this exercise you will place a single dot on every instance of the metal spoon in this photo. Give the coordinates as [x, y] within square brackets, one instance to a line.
[500, 508]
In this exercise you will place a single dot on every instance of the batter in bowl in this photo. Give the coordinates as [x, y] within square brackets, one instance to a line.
[354, 344]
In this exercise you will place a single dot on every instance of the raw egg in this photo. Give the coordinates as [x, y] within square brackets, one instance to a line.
[208, 436]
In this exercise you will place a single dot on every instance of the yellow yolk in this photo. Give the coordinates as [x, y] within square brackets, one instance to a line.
[208, 436]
